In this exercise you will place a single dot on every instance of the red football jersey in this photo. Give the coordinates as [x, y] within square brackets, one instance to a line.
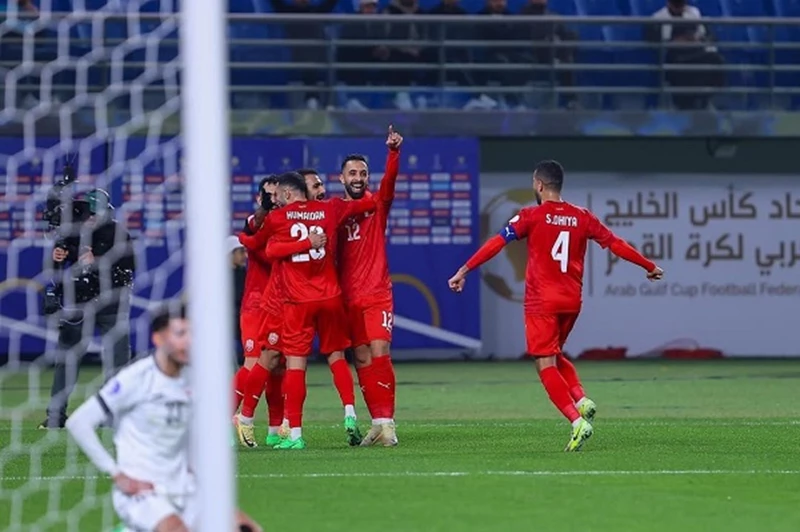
[274, 295]
[311, 275]
[557, 234]
[363, 266]
[258, 269]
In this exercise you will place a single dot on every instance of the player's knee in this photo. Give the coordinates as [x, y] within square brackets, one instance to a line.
[543, 363]
[335, 357]
[379, 348]
[171, 523]
[362, 356]
[269, 360]
[293, 362]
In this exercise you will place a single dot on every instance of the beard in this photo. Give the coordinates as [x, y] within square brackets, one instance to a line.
[538, 197]
[178, 358]
[355, 194]
[320, 196]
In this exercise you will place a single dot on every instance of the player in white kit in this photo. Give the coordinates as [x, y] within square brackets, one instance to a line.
[149, 405]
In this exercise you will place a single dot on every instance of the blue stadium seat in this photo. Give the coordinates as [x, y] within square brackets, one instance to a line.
[783, 36]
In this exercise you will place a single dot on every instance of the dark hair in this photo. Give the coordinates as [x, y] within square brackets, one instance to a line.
[353, 157]
[269, 180]
[294, 181]
[551, 174]
[306, 171]
[162, 316]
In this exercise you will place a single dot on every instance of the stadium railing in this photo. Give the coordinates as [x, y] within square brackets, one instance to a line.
[611, 64]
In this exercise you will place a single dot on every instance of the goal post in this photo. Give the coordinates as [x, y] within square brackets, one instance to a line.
[134, 95]
[206, 146]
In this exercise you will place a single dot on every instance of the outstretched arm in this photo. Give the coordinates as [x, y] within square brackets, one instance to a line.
[619, 247]
[518, 228]
[281, 250]
[485, 253]
[623, 250]
[356, 207]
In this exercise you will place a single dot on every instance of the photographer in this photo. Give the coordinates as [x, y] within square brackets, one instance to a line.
[93, 264]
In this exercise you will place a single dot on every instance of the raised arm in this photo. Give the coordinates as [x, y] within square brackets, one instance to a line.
[389, 180]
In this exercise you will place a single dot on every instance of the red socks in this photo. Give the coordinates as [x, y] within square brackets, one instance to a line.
[558, 391]
[239, 384]
[378, 386]
[256, 382]
[294, 386]
[275, 398]
[386, 382]
[570, 374]
[343, 381]
[366, 380]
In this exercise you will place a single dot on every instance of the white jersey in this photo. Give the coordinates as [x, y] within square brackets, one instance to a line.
[151, 415]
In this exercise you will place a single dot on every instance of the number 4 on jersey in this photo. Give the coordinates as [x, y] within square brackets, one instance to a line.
[560, 250]
[300, 231]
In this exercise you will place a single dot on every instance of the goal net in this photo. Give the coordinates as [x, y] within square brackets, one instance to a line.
[91, 101]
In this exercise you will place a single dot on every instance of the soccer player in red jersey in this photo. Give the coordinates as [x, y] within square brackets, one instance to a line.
[557, 234]
[367, 289]
[316, 188]
[311, 284]
[255, 282]
[265, 373]
[340, 369]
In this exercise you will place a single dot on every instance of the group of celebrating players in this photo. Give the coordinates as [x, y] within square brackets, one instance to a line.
[301, 283]
[318, 266]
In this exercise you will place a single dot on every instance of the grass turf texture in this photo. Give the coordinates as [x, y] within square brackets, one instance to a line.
[677, 446]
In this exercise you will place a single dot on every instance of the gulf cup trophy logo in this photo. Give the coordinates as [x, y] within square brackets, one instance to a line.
[505, 275]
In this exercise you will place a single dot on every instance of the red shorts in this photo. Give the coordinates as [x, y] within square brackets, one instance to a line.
[270, 332]
[327, 318]
[371, 319]
[545, 334]
[250, 324]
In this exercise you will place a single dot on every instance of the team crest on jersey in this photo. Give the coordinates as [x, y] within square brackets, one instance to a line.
[249, 345]
[272, 338]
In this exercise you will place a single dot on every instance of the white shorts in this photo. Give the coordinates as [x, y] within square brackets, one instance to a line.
[142, 513]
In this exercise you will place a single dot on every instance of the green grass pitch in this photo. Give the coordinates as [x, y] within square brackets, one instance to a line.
[678, 446]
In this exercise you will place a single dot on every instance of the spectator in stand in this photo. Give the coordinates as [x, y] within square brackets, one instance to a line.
[371, 33]
[457, 32]
[510, 55]
[307, 54]
[545, 33]
[681, 26]
[412, 52]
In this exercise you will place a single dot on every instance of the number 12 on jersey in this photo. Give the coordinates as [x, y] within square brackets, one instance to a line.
[300, 231]
[560, 250]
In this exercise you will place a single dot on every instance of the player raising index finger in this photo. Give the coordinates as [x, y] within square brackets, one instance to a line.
[367, 288]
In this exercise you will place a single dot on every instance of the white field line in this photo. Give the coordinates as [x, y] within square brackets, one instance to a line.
[600, 423]
[434, 474]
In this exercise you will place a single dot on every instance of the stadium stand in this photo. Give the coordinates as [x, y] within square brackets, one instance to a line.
[607, 66]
